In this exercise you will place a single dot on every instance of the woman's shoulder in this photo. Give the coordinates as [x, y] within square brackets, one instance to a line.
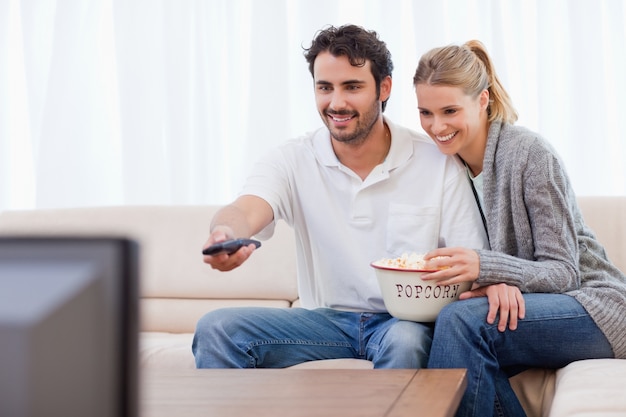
[518, 135]
[519, 140]
[526, 153]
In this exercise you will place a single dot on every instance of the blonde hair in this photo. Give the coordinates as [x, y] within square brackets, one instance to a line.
[468, 67]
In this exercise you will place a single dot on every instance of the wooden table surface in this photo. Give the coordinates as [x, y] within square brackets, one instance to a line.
[301, 392]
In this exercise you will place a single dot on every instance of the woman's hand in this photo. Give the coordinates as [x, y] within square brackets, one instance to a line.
[461, 264]
[505, 300]
[455, 265]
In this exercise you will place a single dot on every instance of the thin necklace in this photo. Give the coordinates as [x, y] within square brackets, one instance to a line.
[480, 207]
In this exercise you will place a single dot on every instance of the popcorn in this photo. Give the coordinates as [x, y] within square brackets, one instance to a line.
[406, 261]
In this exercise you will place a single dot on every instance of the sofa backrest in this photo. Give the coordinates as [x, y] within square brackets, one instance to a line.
[606, 216]
[176, 287]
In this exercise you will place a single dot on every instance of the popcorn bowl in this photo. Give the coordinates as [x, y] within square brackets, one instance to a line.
[408, 297]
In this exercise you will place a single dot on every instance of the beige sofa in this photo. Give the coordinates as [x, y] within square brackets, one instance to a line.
[177, 289]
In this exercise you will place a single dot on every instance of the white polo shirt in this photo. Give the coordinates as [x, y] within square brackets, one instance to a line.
[416, 200]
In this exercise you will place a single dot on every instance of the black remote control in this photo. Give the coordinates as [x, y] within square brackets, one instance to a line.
[229, 246]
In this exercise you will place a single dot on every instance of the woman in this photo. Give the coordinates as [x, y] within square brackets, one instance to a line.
[546, 274]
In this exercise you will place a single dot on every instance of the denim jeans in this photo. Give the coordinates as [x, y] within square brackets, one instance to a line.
[556, 331]
[260, 337]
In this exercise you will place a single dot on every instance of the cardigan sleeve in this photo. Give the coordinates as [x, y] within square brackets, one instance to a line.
[541, 253]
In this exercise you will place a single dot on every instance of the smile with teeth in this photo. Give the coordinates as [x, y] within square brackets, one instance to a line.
[446, 137]
[340, 119]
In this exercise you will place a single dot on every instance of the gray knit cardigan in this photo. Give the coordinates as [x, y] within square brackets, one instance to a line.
[539, 240]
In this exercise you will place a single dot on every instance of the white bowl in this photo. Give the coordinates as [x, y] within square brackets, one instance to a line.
[408, 297]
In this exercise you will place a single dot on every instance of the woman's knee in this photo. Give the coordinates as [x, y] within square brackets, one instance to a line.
[462, 313]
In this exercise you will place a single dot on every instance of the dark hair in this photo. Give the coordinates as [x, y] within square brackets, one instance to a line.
[358, 45]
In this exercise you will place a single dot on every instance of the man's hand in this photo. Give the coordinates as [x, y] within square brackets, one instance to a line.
[223, 261]
[243, 218]
[507, 300]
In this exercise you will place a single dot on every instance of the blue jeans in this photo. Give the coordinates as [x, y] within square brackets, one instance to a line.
[556, 331]
[260, 337]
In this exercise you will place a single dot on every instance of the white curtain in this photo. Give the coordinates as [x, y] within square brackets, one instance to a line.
[118, 102]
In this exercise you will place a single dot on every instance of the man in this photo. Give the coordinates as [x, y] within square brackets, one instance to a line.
[360, 189]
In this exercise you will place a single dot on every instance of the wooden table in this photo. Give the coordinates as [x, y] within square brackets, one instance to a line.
[301, 392]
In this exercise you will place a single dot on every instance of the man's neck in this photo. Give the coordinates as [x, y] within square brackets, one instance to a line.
[363, 157]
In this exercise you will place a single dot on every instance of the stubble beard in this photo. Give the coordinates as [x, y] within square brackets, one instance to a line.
[364, 124]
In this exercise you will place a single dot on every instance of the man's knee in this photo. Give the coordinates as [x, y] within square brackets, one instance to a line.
[406, 344]
[217, 319]
[408, 333]
[215, 340]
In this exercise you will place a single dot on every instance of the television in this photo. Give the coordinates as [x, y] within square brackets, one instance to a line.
[68, 327]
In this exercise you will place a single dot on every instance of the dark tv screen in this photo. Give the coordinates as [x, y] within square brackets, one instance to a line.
[68, 327]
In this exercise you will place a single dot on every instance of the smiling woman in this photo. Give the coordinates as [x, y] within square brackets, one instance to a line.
[539, 276]
[114, 102]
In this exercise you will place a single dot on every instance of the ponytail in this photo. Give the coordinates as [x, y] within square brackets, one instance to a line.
[468, 67]
[500, 104]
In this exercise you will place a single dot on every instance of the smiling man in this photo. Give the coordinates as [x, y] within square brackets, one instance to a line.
[349, 100]
[357, 190]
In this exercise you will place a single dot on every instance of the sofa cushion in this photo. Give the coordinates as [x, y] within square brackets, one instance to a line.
[578, 394]
[347, 363]
[160, 350]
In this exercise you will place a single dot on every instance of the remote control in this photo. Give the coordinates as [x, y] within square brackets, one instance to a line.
[229, 246]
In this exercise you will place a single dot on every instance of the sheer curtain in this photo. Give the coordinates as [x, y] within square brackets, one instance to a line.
[116, 102]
